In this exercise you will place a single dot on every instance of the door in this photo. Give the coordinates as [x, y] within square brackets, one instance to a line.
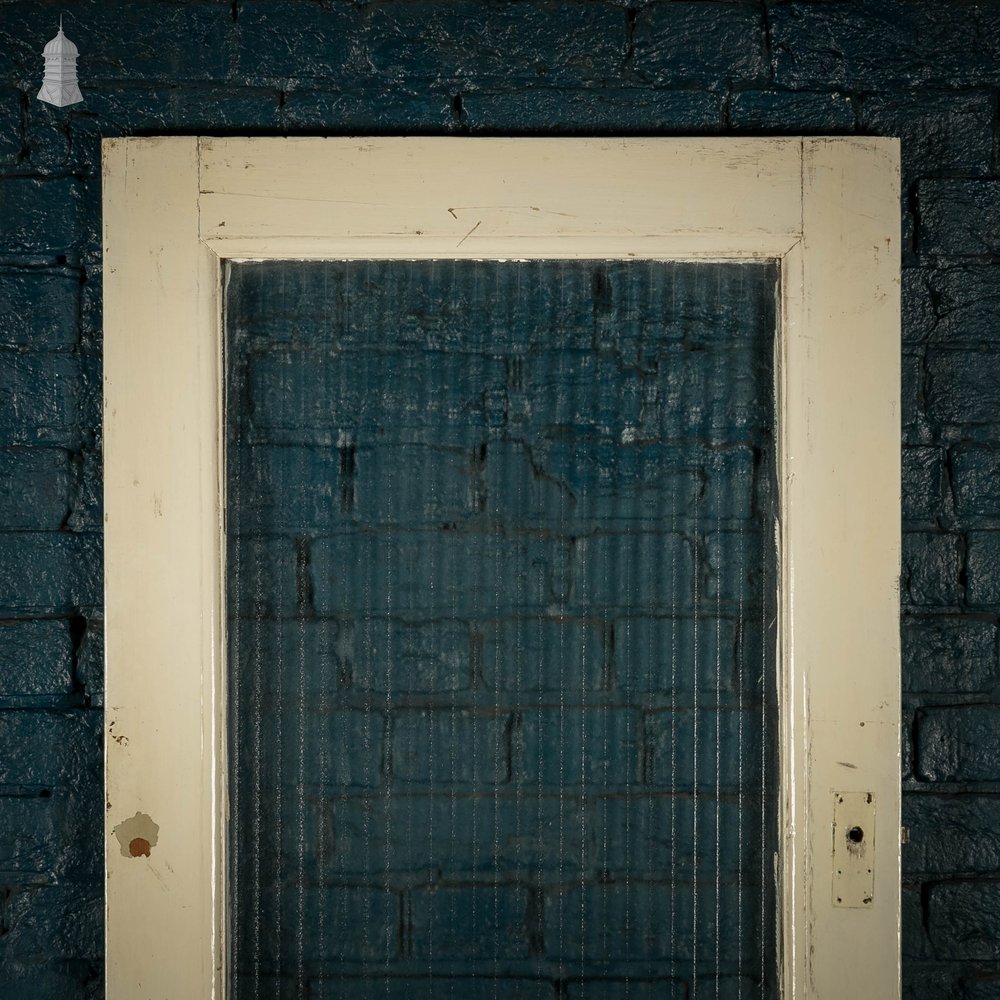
[452, 684]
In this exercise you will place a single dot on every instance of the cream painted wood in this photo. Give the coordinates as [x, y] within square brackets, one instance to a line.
[453, 195]
[840, 500]
[174, 208]
[163, 742]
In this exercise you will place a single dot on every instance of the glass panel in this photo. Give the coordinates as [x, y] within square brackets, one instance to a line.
[502, 624]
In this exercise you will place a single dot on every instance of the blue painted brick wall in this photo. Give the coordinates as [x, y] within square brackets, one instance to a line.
[923, 69]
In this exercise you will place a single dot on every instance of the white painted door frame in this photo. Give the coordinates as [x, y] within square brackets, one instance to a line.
[176, 208]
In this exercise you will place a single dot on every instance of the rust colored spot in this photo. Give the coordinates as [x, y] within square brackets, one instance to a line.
[139, 847]
[137, 836]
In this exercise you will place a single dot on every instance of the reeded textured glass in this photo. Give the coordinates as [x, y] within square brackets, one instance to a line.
[502, 624]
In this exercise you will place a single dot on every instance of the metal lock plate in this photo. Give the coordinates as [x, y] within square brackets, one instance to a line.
[854, 849]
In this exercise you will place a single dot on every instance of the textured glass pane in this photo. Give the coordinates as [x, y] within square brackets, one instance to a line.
[502, 600]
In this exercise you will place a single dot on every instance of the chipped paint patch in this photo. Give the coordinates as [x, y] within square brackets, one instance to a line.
[137, 836]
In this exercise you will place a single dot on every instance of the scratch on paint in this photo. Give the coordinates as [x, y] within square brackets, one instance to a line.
[469, 233]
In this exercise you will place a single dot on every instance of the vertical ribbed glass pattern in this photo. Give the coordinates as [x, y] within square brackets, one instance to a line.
[501, 629]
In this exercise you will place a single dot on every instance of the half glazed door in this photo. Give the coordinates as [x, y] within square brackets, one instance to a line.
[527, 545]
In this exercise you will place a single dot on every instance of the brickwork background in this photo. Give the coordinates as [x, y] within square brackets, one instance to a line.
[926, 70]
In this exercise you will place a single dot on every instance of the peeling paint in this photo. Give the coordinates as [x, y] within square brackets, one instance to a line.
[137, 836]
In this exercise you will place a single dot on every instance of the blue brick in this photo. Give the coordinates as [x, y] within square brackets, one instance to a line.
[906, 750]
[322, 752]
[290, 490]
[11, 140]
[563, 43]
[633, 571]
[39, 307]
[961, 389]
[596, 110]
[926, 981]
[672, 751]
[525, 307]
[183, 42]
[432, 304]
[602, 484]
[657, 655]
[944, 654]
[91, 235]
[113, 110]
[636, 989]
[406, 657]
[447, 572]
[425, 741]
[34, 488]
[280, 42]
[432, 986]
[90, 662]
[473, 922]
[47, 398]
[269, 568]
[959, 217]
[736, 567]
[923, 486]
[963, 918]
[916, 945]
[87, 493]
[50, 572]
[676, 315]
[652, 835]
[369, 110]
[49, 929]
[930, 571]
[36, 660]
[56, 749]
[414, 484]
[960, 743]
[55, 837]
[298, 398]
[721, 395]
[791, 112]
[951, 834]
[884, 44]
[983, 569]
[53, 978]
[91, 318]
[938, 132]
[464, 835]
[912, 377]
[582, 391]
[959, 304]
[47, 136]
[976, 481]
[676, 43]
[985, 988]
[538, 654]
[564, 747]
[40, 214]
[634, 921]
[520, 485]
[327, 926]
[921, 296]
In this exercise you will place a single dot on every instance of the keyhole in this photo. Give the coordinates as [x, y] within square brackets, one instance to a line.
[855, 835]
